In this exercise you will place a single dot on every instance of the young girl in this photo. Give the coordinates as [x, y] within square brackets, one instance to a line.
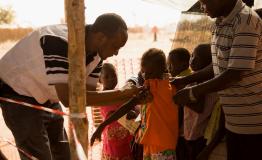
[159, 126]
[116, 139]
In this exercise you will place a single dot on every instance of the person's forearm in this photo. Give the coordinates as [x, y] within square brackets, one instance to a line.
[221, 82]
[125, 108]
[104, 98]
[200, 76]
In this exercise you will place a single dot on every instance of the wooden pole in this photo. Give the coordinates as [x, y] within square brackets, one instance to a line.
[77, 72]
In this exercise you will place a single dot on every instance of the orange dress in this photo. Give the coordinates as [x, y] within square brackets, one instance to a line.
[159, 126]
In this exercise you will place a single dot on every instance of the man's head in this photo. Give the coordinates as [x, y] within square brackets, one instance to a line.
[108, 35]
[178, 61]
[201, 57]
[217, 8]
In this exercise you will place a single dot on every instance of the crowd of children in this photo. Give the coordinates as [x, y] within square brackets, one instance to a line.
[167, 131]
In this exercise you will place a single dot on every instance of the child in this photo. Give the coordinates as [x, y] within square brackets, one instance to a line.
[116, 138]
[178, 62]
[178, 66]
[195, 123]
[159, 127]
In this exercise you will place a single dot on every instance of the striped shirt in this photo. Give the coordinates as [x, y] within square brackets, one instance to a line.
[237, 45]
[56, 61]
[38, 61]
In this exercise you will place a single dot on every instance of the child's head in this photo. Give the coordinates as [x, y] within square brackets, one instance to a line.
[201, 57]
[178, 61]
[108, 76]
[153, 64]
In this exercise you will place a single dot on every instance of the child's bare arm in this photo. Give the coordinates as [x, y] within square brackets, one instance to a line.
[118, 114]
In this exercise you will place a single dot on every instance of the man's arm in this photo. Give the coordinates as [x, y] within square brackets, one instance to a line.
[221, 82]
[200, 76]
[98, 98]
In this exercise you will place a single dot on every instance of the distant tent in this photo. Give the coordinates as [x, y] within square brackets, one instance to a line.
[197, 7]
[193, 6]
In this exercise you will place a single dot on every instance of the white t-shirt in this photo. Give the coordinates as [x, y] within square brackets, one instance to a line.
[39, 61]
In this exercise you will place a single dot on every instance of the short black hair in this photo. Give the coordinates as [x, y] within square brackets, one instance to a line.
[109, 24]
[180, 53]
[155, 58]
[205, 52]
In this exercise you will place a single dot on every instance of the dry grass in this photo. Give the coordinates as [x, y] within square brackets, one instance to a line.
[190, 39]
[13, 34]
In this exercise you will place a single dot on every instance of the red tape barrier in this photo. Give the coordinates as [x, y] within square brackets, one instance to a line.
[79, 148]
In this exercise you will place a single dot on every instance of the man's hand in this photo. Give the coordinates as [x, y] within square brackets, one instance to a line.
[144, 96]
[130, 89]
[96, 135]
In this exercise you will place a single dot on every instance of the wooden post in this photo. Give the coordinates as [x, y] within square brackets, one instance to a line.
[77, 72]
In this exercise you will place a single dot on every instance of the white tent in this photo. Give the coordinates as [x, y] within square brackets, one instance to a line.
[184, 5]
[181, 5]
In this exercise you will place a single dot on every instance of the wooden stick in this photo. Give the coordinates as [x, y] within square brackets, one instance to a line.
[77, 71]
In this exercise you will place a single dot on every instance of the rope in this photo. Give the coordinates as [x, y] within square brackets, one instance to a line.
[79, 148]
[38, 107]
[19, 149]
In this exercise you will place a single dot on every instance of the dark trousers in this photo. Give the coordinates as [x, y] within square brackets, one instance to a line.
[38, 133]
[243, 146]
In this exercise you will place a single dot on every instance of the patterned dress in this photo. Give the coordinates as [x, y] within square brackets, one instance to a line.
[116, 139]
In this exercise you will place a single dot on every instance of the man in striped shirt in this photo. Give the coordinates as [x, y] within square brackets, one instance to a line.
[236, 73]
[35, 71]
